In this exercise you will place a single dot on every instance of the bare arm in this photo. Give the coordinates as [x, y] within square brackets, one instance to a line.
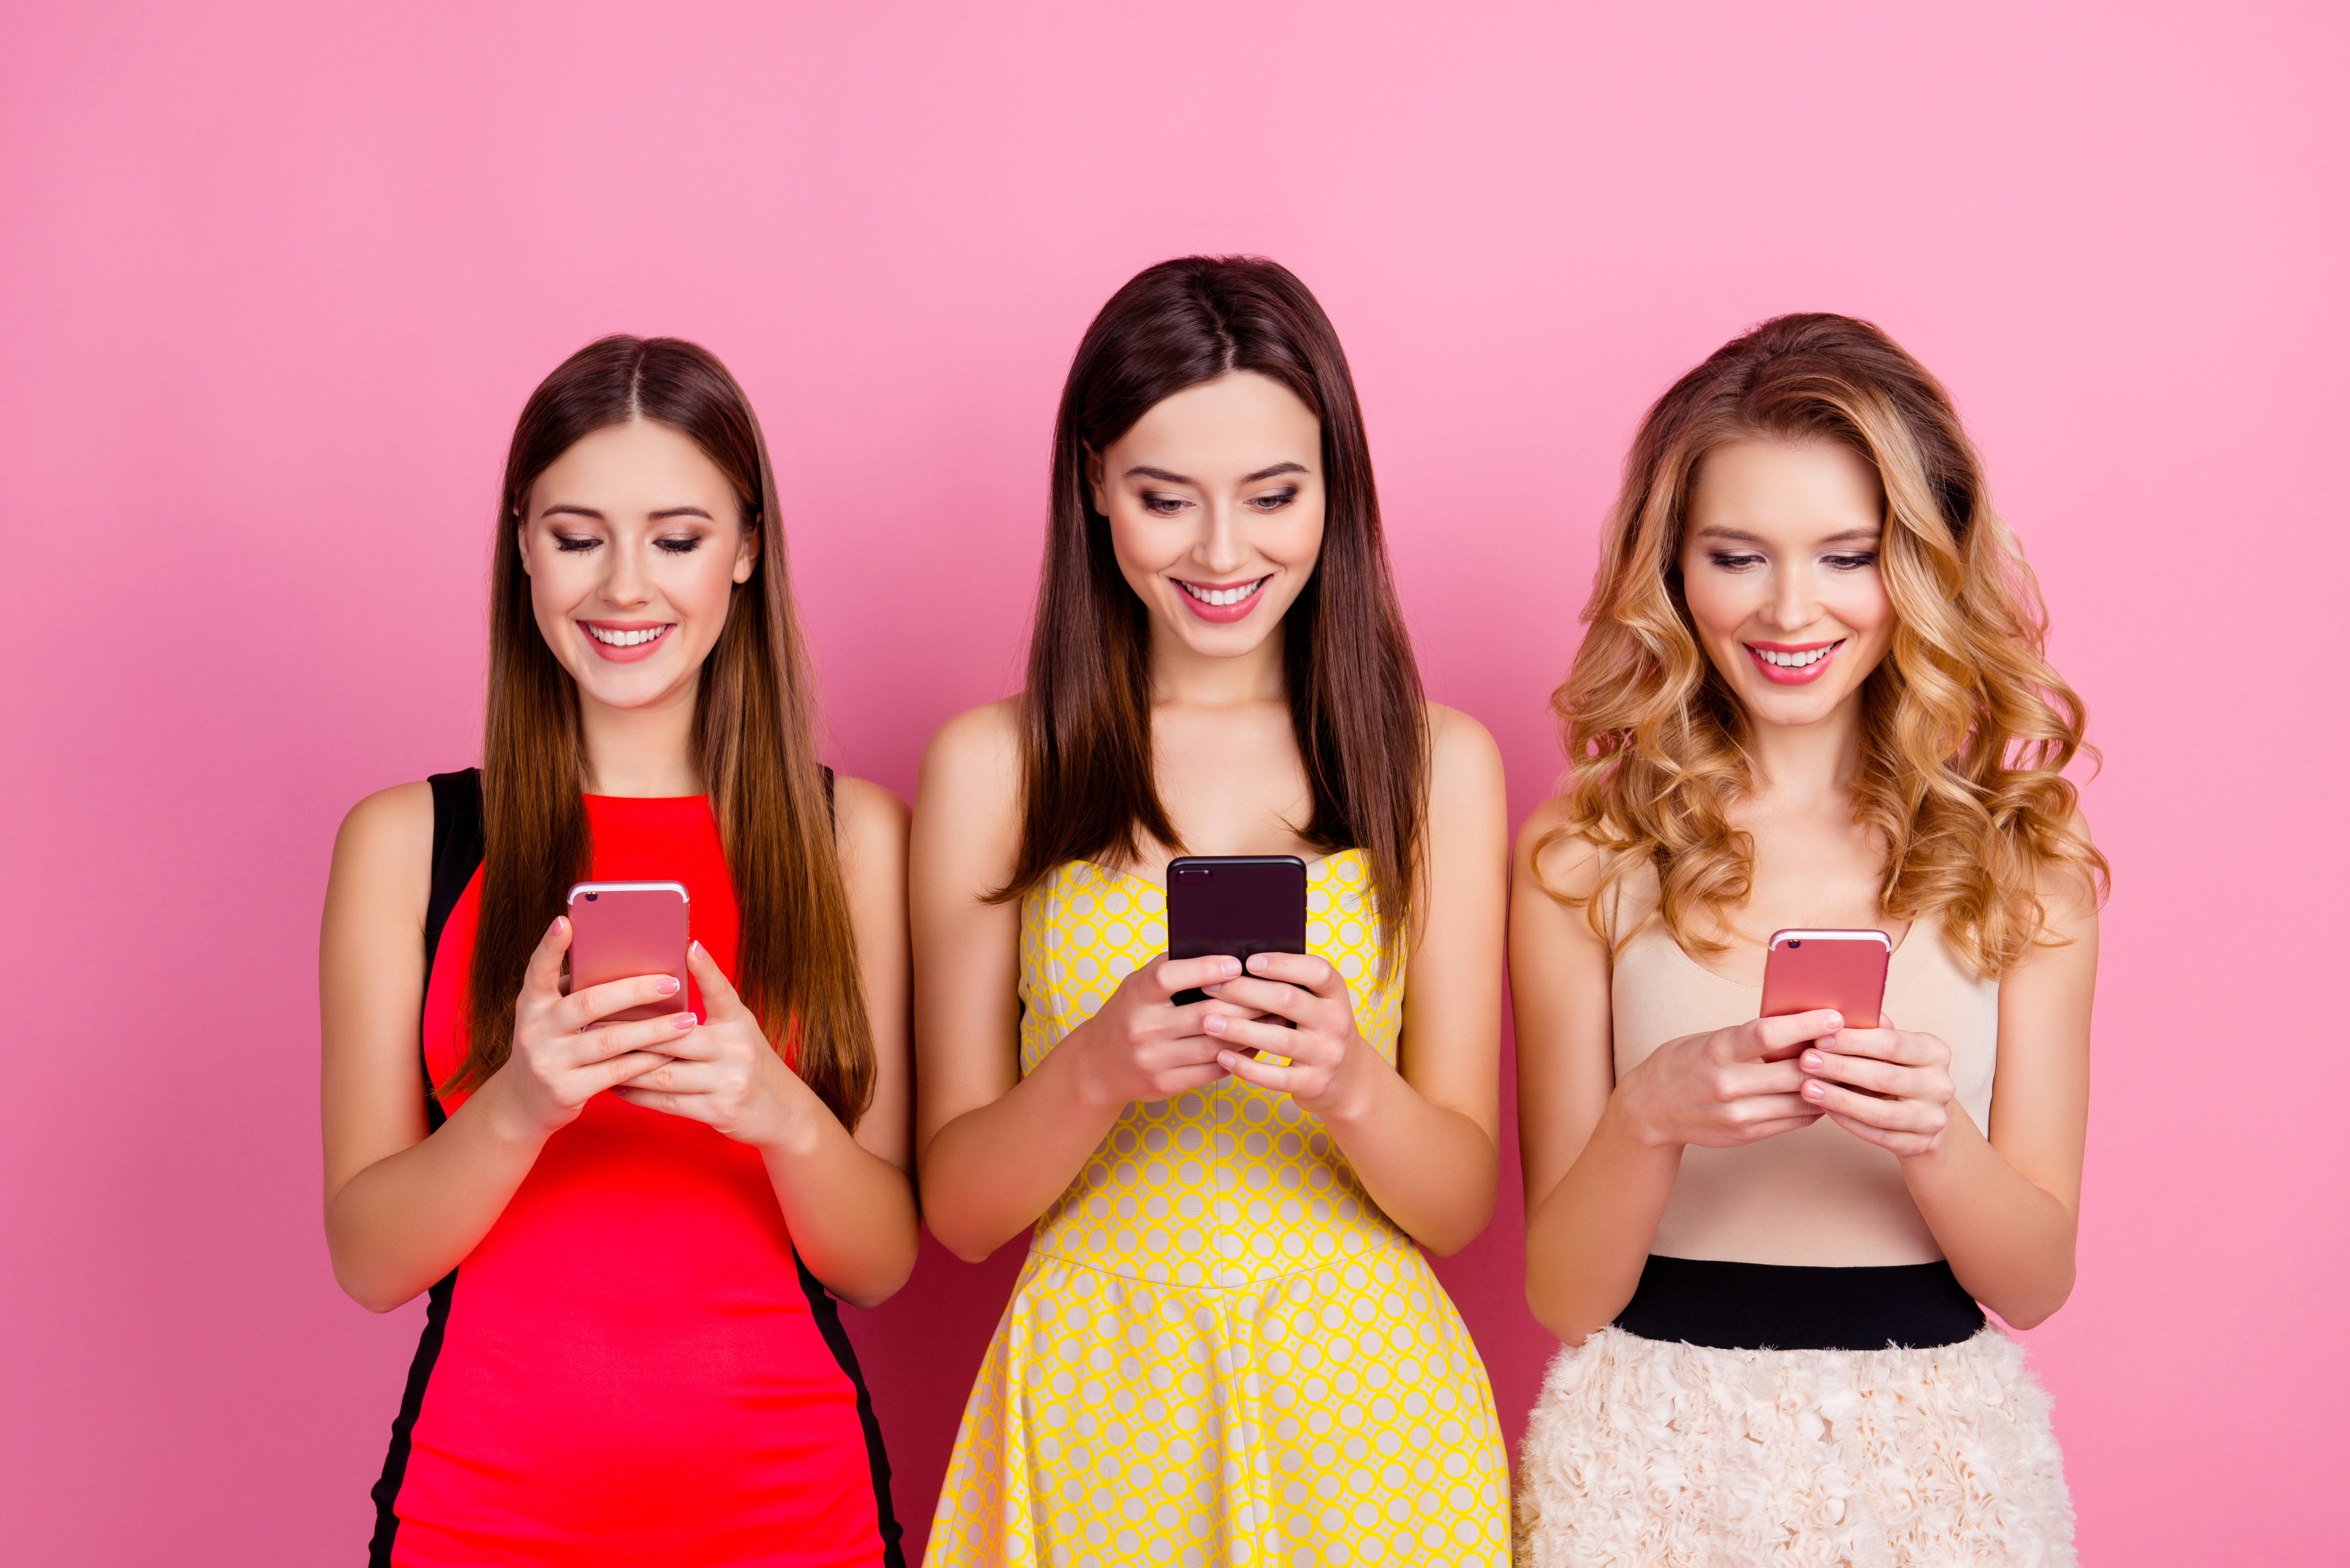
[403, 1209]
[1600, 1154]
[997, 1148]
[1423, 1141]
[2006, 1207]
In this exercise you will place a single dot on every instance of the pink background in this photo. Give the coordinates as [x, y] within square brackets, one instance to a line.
[276, 279]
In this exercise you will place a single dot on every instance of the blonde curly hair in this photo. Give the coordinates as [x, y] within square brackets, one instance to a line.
[1966, 728]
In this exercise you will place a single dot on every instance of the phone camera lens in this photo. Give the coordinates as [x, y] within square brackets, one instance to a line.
[1797, 943]
[591, 898]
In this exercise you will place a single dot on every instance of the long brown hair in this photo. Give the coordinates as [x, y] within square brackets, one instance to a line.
[1966, 728]
[1354, 690]
[754, 739]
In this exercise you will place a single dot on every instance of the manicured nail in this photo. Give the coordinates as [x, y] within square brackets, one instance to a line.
[666, 985]
[554, 925]
[1815, 1090]
[702, 950]
[1813, 1061]
[685, 1019]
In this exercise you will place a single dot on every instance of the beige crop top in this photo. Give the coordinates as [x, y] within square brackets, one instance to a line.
[1819, 1196]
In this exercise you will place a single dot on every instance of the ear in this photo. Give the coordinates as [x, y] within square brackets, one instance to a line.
[1094, 482]
[522, 540]
[747, 544]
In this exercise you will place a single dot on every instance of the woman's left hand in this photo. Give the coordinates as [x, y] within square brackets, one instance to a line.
[724, 1074]
[1331, 1065]
[1890, 1088]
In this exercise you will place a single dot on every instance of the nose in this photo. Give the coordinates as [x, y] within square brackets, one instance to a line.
[1224, 545]
[625, 582]
[1794, 605]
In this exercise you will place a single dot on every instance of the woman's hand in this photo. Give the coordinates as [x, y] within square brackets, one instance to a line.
[558, 1063]
[1330, 1065]
[1891, 1088]
[1725, 1089]
[1142, 1046]
[724, 1074]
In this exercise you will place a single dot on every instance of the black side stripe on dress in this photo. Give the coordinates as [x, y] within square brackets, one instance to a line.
[456, 855]
[826, 1313]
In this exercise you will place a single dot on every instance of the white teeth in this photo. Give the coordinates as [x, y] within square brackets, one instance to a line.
[1221, 596]
[1795, 661]
[625, 639]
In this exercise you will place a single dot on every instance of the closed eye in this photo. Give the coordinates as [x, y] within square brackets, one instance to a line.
[1162, 506]
[1851, 563]
[680, 546]
[1733, 561]
[1276, 501]
[570, 543]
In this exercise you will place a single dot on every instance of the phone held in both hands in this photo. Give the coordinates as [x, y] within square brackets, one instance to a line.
[620, 931]
[1806, 971]
[1237, 905]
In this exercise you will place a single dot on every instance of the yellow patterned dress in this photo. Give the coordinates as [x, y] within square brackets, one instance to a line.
[1219, 1351]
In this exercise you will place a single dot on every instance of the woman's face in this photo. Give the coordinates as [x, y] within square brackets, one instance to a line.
[634, 541]
[1779, 566]
[1214, 500]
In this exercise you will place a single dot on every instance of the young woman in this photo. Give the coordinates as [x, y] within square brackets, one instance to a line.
[1225, 1347]
[631, 1353]
[1812, 695]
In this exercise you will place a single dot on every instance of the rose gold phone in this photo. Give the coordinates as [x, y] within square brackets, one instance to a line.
[623, 929]
[1843, 970]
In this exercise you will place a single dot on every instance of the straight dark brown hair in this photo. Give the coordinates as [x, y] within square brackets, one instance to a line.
[1354, 690]
[754, 739]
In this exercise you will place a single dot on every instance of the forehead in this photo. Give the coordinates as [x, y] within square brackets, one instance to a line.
[1771, 487]
[641, 460]
[1241, 420]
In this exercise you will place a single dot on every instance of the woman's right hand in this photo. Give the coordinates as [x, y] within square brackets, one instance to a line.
[1142, 1046]
[1730, 1088]
[558, 1064]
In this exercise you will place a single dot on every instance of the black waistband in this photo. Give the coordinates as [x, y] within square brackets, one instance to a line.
[1767, 1306]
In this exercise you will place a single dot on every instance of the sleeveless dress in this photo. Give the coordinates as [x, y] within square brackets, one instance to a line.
[632, 1366]
[1219, 1351]
[1799, 1378]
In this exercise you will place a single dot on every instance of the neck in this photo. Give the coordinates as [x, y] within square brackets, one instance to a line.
[640, 752]
[1804, 765]
[1180, 676]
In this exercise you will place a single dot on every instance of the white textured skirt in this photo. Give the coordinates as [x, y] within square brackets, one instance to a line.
[1646, 1452]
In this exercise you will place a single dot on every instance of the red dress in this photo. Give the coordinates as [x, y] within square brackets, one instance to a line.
[632, 1366]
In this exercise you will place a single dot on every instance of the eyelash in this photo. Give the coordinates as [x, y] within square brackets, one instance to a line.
[1729, 563]
[577, 543]
[1168, 505]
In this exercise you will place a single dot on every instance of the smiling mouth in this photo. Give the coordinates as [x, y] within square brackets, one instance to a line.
[1793, 657]
[1222, 597]
[633, 638]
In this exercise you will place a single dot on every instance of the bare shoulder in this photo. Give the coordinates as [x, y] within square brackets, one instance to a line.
[2070, 891]
[391, 826]
[980, 745]
[1461, 754]
[1561, 861]
[869, 822]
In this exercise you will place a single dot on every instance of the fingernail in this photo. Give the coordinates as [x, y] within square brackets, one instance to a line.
[1835, 1020]
[1212, 990]
[1232, 967]
[1214, 1025]
[1825, 1042]
[685, 1019]
[1815, 1091]
[667, 985]
[554, 925]
[702, 950]
[1812, 1059]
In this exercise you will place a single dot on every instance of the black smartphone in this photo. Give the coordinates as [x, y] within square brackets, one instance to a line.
[1240, 905]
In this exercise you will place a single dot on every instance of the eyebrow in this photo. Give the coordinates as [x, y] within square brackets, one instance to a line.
[1716, 530]
[570, 511]
[1160, 474]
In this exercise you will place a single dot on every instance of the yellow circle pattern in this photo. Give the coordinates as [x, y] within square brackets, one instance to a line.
[1219, 1351]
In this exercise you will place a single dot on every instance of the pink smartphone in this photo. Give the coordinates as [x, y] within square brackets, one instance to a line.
[1843, 970]
[623, 929]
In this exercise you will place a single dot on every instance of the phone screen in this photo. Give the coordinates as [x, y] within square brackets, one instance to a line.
[1239, 905]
